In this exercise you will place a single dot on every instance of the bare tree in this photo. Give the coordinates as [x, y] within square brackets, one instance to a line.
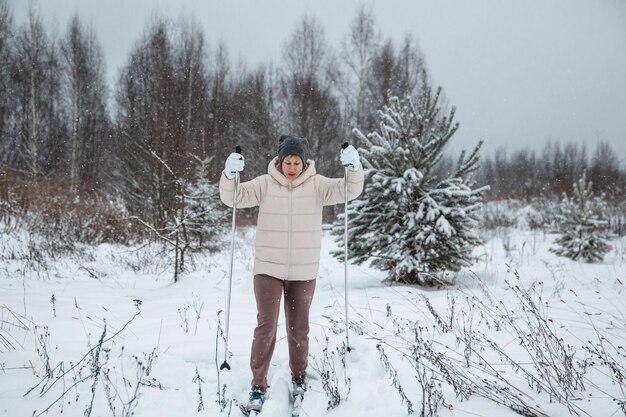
[357, 54]
[31, 41]
[55, 142]
[254, 125]
[191, 97]
[604, 170]
[163, 118]
[86, 91]
[411, 67]
[501, 169]
[145, 102]
[401, 74]
[220, 135]
[568, 163]
[39, 123]
[74, 54]
[6, 87]
[307, 105]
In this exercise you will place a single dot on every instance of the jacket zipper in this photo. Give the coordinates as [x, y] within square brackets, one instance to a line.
[289, 220]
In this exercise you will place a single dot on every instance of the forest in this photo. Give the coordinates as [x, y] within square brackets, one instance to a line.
[75, 151]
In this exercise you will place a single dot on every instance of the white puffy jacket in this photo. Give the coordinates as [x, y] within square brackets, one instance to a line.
[289, 226]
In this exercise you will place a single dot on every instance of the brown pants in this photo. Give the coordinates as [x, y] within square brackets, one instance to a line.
[298, 297]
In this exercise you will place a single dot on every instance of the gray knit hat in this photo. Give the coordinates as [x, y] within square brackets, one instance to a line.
[293, 145]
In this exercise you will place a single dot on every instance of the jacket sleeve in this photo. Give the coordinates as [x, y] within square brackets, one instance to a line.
[249, 193]
[332, 190]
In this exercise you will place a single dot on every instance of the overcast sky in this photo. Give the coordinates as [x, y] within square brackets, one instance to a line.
[518, 71]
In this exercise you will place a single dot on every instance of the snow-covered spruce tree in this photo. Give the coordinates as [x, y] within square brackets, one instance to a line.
[411, 221]
[197, 221]
[204, 213]
[583, 225]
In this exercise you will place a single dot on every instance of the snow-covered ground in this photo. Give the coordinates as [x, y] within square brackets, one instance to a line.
[412, 347]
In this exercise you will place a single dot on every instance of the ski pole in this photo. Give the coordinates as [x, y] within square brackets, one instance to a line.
[225, 365]
[345, 247]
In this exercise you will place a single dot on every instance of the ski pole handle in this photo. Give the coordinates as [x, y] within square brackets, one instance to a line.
[344, 146]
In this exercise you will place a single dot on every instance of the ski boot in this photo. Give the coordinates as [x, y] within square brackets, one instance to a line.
[298, 388]
[297, 395]
[255, 403]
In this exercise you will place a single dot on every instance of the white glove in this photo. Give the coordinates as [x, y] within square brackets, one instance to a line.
[234, 163]
[350, 156]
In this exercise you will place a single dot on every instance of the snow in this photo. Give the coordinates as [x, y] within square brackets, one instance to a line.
[129, 292]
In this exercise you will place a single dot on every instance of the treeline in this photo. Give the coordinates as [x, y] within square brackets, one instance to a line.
[552, 171]
[178, 101]
[179, 106]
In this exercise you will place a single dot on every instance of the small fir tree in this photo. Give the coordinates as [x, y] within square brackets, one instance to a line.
[413, 221]
[204, 213]
[583, 225]
[196, 222]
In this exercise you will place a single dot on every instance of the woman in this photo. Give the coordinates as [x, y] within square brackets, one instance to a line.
[287, 248]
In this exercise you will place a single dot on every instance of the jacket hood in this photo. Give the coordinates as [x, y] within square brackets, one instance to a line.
[274, 172]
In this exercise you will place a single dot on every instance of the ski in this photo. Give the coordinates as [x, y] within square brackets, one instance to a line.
[296, 405]
[248, 413]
